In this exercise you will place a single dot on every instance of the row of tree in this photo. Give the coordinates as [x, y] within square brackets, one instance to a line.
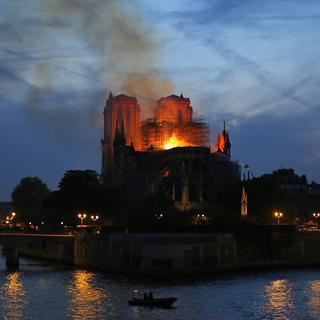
[80, 191]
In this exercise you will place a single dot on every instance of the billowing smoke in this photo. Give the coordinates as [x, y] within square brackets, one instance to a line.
[149, 87]
[76, 51]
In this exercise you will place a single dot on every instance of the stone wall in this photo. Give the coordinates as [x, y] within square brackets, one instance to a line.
[169, 254]
[52, 247]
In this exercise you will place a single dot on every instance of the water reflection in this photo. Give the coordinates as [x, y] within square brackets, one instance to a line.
[279, 299]
[87, 299]
[314, 302]
[13, 297]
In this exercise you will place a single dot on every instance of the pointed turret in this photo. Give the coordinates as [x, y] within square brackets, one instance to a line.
[223, 144]
[244, 204]
[227, 144]
[110, 97]
[217, 146]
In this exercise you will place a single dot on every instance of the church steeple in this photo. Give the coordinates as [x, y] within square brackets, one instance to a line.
[244, 204]
[223, 144]
[108, 100]
[227, 144]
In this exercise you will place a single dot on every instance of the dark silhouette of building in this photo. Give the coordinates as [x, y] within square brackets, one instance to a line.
[288, 181]
[169, 154]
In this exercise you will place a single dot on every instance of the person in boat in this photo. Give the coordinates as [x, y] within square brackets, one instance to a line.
[150, 295]
[145, 297]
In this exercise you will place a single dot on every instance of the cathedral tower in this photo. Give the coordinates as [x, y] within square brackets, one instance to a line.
[125, 110]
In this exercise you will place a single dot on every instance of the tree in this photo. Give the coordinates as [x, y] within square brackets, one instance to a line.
[81, 190]
[27, 197]
[74, 181]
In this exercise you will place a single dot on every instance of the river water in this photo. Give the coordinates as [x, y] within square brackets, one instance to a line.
[43, 291]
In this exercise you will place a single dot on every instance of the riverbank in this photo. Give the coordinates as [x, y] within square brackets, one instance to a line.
[171, 254]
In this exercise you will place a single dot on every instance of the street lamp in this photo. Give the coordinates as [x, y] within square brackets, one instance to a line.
[278, 216]
[200, 219]
[10, 218]
[94, 218]
[82, 216]
[316, 216]
[159, 216]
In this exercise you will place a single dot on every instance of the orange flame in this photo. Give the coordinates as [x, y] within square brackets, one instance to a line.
[220, 144]
[174, 142]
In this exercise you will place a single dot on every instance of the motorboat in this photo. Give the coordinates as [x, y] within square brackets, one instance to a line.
[154, 302]
[150, 301]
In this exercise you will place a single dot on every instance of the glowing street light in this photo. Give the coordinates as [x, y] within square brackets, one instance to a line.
[200, 219]
[278, 216]
[82, 216]
[316, 216]
[10, 217]
[159, 216]
[94, 218]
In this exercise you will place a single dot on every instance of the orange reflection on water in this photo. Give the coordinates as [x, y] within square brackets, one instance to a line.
[314, 302]
[87, 301]
[14, 297]
[279, 299]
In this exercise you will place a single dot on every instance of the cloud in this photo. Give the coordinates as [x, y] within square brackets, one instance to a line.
[269, 48]
[58, 48]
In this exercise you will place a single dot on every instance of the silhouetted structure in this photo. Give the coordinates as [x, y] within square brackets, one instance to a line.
[169, 154]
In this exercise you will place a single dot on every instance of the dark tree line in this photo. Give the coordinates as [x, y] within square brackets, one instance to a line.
[27, 197]
[78, 191]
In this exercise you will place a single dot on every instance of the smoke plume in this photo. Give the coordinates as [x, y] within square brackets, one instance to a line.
[74, 48]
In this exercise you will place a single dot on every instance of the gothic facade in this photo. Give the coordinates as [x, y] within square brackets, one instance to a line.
[169, 154]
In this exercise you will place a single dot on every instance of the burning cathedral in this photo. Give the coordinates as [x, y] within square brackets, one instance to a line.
[168, 154]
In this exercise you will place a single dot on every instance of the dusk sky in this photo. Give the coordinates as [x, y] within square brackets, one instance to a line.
[253, 63]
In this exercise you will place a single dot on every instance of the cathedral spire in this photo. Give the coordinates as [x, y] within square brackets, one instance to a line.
[244, 204]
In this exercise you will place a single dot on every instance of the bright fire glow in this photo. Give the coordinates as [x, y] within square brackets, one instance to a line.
[174, 142]
[220, 144]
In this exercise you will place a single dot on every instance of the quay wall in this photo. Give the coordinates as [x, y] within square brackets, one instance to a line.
[52, 247]
[161, 254]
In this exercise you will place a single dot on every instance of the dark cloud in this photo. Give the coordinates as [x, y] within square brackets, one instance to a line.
[56, 60]
[268, 143]
[121, 49]
[263, 76]
[249, 11]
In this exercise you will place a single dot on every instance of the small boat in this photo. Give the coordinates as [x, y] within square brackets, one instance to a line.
[154, 302]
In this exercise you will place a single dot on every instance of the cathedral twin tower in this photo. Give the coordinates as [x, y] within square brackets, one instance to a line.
[172, 126]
